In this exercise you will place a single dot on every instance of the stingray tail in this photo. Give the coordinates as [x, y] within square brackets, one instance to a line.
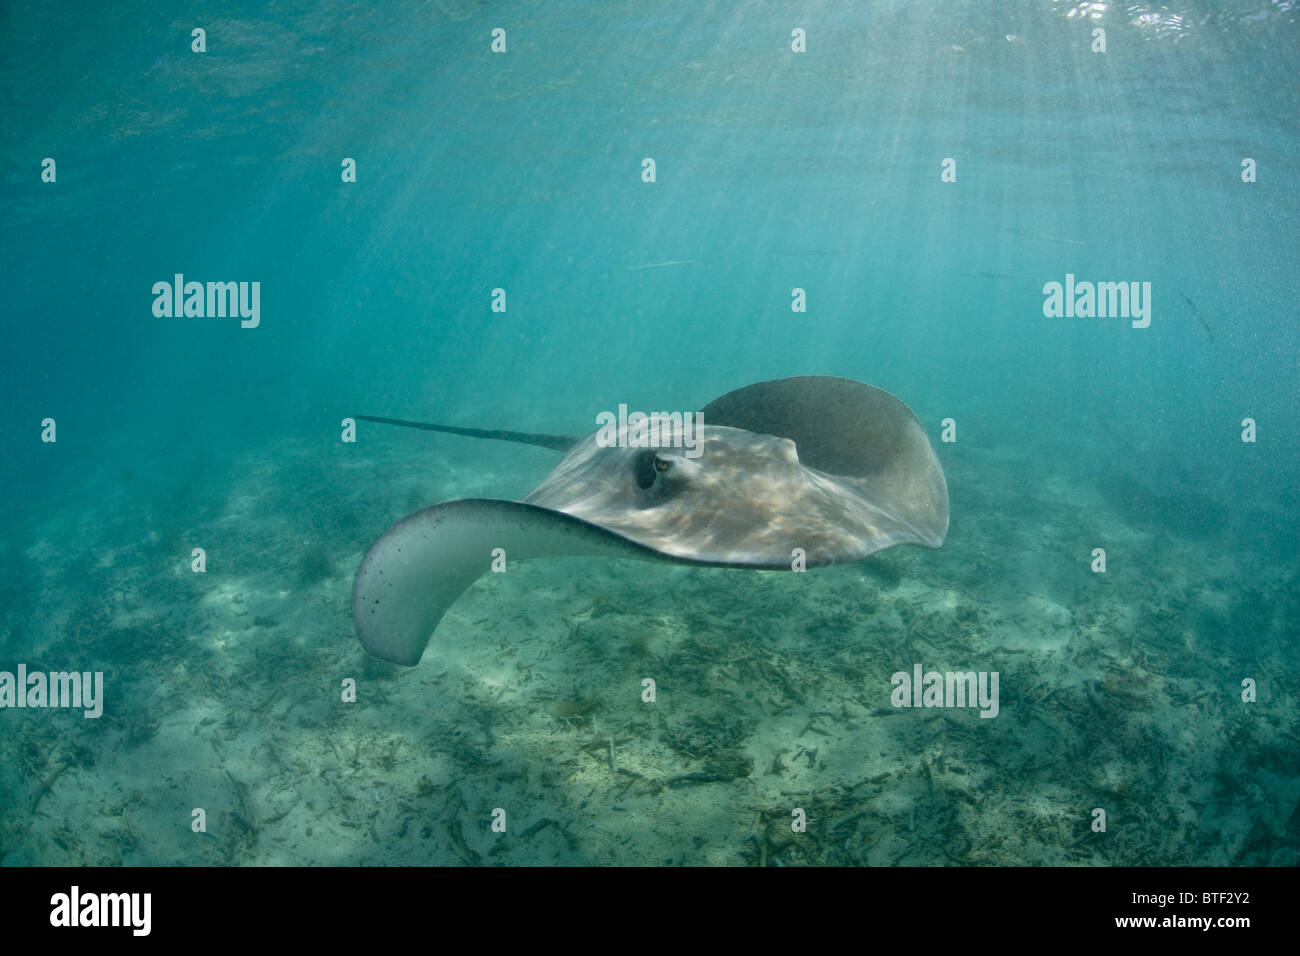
[555, 442]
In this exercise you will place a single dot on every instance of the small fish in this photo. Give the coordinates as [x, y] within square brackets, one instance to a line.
[1197, 312]
[1032, 235]
[807, 252]
[660, 265]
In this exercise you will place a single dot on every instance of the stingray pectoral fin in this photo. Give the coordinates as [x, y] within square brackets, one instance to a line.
[421, 565]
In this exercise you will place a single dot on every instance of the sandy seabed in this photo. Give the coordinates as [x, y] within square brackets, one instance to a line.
[224, 690]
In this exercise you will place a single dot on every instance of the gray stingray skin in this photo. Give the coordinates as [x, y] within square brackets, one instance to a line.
[834, 467]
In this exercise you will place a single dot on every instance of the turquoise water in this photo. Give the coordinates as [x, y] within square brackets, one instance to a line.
[774, 170]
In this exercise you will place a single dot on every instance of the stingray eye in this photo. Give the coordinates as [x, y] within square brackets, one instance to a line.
[662, 464]
[644, 469]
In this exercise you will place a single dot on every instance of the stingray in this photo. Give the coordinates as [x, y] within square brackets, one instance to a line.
[818, 469]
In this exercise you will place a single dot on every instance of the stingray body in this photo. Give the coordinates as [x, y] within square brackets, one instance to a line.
[829, 467]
